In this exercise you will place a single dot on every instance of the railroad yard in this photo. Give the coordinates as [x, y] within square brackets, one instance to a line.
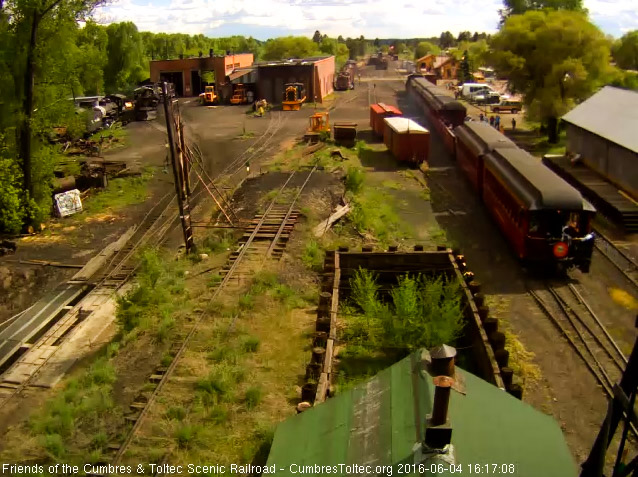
[158, 356]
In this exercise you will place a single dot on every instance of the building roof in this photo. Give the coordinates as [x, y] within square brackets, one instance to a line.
[423, 58]
[405, 125]
[239, 72]
[293, 61]
[441, 60]
[612, 114]
[381, 422]
[533, 182]
[481, 138]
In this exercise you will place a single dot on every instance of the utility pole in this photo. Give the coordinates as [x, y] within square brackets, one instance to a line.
[175, 133]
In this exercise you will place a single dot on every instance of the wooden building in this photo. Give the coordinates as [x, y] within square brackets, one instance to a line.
[603, 133]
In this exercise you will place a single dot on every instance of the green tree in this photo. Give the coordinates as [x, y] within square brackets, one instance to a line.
[625, 51]
[330, 46]
[425, 48]
[317, 36]
[446, 40]
[465, 70]
[24, 21]
[464, 36]
[518, 7]
[289, 47]
[126, 63]
[555, 58]
[92, 41]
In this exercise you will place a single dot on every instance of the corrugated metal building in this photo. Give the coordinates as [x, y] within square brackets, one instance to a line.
[604, 131]
[316, 74]
[186, 73]
[384, 422]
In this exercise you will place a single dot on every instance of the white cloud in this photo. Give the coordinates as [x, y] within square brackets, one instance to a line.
[371, 18]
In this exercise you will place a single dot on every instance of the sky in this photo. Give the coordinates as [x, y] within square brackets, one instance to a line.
[263, 19]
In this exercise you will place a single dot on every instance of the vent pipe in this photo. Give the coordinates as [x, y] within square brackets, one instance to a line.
[210, 53]
[443, 386]
[438, 432]
[443, 360]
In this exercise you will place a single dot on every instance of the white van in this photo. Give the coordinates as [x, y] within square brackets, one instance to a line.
[472, 89]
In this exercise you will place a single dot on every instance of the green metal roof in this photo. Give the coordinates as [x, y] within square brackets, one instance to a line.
[379, 422]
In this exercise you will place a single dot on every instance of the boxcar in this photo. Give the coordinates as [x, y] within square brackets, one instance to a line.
[407, 140]
[377, 114]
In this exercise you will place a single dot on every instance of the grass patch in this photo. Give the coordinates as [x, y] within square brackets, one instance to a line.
[520, 359]
[187, 435]
[285, 197]
[373, 212]
[113, 137]
[217, 243]
[250, 344]
[120, 193]
[159, 294]
[354, 180]
[253, 397]
[391, 185]
[313, 256]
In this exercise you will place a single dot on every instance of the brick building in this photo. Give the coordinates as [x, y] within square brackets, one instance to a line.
[316, 74]
[186, 73]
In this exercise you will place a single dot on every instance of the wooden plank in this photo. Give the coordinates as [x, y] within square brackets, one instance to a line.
[334, 307]
[327, 362]
[324, 226]
[95, 263]
[322, 389]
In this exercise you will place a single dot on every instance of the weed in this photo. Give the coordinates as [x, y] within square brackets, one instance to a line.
[223, 354]
[100, 440]
[167, 359]
[246, 302]
[214, 280]
[165, 327]
[426, 194]
[177, 412]
[250, 344]
[187, 435]
[354, 180]
[373, 212]
[218, 243]
[218, 415]
[54, 445]
[313, 256]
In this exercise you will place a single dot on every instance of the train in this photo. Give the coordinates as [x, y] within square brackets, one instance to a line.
[546, 221]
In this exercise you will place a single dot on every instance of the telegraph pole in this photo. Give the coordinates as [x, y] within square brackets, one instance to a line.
[180, 173]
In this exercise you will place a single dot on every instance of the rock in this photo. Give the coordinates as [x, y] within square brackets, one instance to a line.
[203, 256]
[302, 406]
[187, 273]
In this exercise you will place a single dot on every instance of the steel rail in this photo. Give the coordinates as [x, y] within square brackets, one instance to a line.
[202, 314]
[287, 216]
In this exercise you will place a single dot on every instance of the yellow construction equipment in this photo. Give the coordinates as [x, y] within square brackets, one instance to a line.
[239, 95]
[209, 96]
[294, 95]
[319, 122]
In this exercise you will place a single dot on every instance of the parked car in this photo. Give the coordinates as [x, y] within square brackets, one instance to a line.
[488, 97]
[508, 105]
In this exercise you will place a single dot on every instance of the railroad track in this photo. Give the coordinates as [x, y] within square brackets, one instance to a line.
[573, 316]
[625, 264]
[265, 238]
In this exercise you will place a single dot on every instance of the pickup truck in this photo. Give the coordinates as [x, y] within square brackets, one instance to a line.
[509, 105]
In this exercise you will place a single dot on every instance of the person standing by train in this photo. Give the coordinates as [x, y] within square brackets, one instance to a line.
[497, 122]
[481, 117]
[492, 121]
[513, 124]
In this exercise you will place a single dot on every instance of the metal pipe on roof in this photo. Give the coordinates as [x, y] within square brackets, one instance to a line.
[443, 386]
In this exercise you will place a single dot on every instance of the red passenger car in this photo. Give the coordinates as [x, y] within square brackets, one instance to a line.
[378, 112]
[407, 140]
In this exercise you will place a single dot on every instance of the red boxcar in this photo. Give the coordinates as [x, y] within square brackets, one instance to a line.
[378, 112]
[407, 140]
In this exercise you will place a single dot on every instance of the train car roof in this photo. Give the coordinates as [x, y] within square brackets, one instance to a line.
[385, 108]
[481, 138]
[438, 97]
[405, 125]
[534, 183]
[448, 103]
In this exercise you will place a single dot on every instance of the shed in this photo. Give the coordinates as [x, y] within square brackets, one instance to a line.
[407, 140]
[382, 422]
[380, 111]
[602, 131]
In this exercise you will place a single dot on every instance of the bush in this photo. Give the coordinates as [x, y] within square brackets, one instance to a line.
[54, 445]
[178, 413]
[187, 435]
[12, 213]
[423, 312]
